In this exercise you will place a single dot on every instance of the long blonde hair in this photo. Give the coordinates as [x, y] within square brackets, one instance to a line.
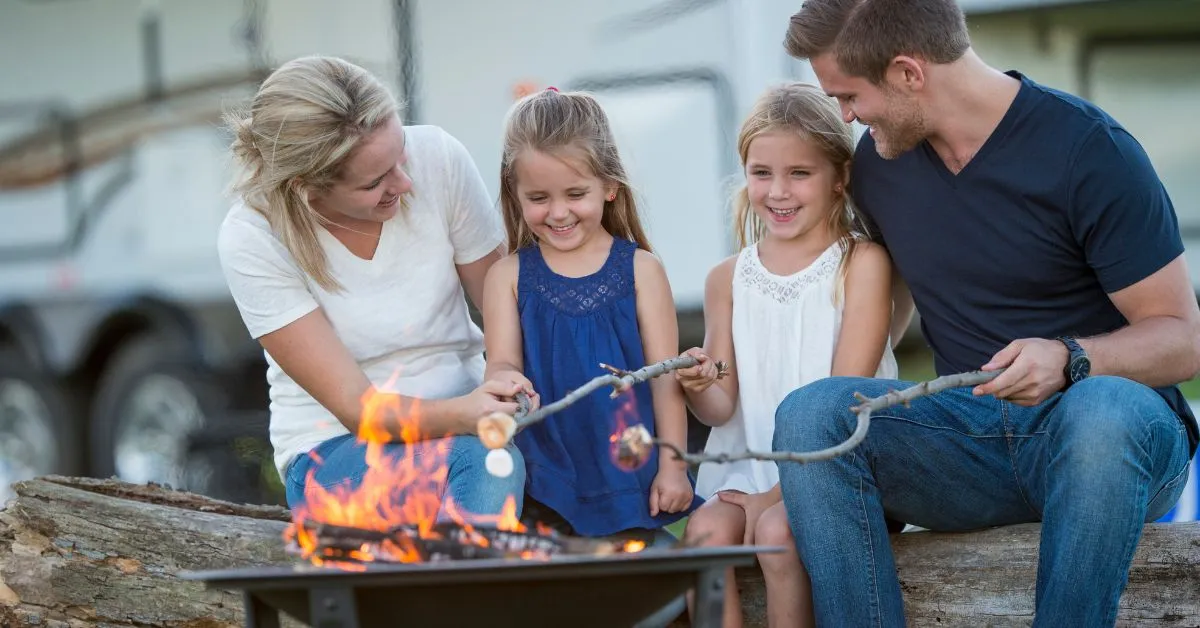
[549, 121]
[302, 125]
[804, 109]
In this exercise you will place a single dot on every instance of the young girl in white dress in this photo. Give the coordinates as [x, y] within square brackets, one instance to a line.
[775, 312]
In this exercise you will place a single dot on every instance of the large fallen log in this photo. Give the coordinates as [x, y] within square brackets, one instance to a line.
[81, 553]
[987, 578]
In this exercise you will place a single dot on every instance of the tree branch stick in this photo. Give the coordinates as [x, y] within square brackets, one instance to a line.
[496, 430]
[636, 437]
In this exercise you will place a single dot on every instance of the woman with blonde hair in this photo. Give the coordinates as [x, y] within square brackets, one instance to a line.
[348, 253]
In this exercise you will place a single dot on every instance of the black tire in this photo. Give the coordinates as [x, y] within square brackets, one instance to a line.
[150, 401]
[40, 430]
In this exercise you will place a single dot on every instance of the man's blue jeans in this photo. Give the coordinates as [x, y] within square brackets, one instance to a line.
[1092, 464]
[471, 488]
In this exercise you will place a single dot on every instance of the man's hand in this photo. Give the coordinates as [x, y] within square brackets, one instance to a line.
[754, 504]
[1033, 371]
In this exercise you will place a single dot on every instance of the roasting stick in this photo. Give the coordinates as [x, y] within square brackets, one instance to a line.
[497, 429]
[634, 444]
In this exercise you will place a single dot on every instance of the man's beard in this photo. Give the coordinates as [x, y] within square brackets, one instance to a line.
[901, 134]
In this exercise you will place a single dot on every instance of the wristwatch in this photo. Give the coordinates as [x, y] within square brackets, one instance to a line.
[1078, 364]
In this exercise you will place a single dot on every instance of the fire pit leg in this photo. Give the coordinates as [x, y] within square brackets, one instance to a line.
[332, 608]
[710, 598]
[258, 613]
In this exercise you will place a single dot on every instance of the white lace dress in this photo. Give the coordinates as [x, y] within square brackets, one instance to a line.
[784, 333]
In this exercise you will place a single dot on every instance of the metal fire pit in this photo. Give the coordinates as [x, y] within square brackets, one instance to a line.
[570, 591]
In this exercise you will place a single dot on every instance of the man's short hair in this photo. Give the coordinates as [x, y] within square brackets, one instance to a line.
[865, 35]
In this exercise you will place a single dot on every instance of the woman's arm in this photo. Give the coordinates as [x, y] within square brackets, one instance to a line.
[310, 352]
[867, 314]
[473, 274]
[714, 406]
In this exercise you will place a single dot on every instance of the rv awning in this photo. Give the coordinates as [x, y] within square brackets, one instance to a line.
[999, 6]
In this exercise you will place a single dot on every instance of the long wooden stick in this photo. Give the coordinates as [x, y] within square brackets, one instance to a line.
[496, 430]
[635, 442]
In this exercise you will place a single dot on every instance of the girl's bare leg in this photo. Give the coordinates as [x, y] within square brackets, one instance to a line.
[719, 523]
[789, 595]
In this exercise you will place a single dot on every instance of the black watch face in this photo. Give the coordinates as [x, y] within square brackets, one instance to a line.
[1080, 368]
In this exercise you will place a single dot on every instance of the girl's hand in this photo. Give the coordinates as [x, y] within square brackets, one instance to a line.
[523, 384]
[754, 504]
[697, 379]
[671, 491]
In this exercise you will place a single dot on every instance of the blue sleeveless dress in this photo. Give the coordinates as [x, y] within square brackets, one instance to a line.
[569, 327]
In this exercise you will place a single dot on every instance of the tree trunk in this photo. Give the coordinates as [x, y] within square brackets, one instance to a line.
[80, 553]
[988, 578]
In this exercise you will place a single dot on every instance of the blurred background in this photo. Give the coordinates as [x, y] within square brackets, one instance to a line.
[121, 352]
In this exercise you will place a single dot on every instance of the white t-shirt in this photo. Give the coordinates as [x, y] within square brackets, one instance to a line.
[402, 315]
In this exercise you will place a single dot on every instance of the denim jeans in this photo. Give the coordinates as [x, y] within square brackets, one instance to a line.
[1092, 464]
[472, 489]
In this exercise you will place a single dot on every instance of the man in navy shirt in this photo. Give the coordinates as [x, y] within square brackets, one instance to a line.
[1034, 236]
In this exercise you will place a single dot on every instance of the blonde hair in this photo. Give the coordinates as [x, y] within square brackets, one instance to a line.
[549, 121]
[306, 119]
[803, 109]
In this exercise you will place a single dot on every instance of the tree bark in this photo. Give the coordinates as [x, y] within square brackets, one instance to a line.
[78, 553]
[988, 578]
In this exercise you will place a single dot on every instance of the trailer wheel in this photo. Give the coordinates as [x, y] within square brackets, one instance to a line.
[150, 402]
[38, 434]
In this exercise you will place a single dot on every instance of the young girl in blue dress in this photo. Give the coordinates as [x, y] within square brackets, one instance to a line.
[581, 288]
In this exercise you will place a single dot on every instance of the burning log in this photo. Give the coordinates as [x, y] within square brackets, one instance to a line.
[83, 553]
[345, 545]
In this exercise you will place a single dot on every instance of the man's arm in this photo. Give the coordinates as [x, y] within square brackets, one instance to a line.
[903, 307]
[1161, 344]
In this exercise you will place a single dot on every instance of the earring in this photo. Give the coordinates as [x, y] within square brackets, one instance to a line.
[612, 197]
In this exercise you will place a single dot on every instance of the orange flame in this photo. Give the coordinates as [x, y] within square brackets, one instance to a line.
[395, 490]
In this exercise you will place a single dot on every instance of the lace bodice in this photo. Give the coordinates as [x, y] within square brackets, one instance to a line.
[579, 296]
[785, 289]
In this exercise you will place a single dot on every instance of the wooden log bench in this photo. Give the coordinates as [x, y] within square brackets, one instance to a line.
[987, 578]
[83, 553]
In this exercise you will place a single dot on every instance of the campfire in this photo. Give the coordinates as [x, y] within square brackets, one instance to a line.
[392, 516]
[396, 547]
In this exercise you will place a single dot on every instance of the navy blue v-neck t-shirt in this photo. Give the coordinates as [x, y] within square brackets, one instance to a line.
[1060, 207]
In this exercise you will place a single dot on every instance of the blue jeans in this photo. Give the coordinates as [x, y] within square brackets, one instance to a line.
[1092, 464]
[471, 488]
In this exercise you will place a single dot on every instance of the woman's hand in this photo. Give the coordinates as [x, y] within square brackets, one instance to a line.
[671, 491]
[494, 395]
[523, 384]
[697, 379]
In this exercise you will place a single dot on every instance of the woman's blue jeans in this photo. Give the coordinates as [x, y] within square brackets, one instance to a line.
[472, 489]
[1092, 464]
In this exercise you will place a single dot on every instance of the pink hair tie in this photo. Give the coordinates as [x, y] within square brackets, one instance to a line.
[552, 88]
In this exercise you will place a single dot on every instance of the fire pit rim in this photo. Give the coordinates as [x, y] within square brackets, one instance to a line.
[650, 560]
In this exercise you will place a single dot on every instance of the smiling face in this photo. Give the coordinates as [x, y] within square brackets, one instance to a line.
[896, 121]
[792, 186]
[369, 186]
[561, 200]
